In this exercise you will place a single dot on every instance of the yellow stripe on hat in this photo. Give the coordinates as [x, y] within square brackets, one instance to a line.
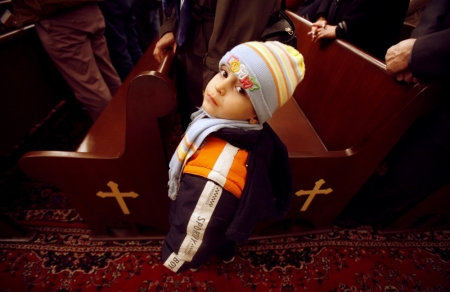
[281, 73]
[271, 61]
[285, 63]
[290, 74]
[298, 69]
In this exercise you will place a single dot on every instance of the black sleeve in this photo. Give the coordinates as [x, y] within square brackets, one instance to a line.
[430, 56]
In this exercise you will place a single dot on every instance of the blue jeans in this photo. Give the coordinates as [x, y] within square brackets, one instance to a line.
[121, 35]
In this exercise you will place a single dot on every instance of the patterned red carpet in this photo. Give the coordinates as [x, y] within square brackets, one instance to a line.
[62, 256]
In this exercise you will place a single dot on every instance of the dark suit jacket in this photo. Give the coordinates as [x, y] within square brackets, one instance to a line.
[220, 25]
[430, 57]
[430, 61]
[372, 25]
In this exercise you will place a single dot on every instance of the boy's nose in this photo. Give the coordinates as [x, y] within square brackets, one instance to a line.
[221, 87]
[226, 84]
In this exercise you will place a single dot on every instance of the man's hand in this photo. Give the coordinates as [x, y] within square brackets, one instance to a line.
[407, 77]
[165, 43]
[397, 56]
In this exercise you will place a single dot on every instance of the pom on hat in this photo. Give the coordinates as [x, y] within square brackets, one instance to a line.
[269, 72]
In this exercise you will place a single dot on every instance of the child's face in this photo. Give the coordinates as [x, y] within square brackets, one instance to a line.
[225, 98]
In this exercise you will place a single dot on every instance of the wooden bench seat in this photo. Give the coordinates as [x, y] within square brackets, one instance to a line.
[287, 121]
[430, 213]
[344, 118]
[113, 177]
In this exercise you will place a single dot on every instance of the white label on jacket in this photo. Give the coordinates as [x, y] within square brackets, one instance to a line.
[199, 220]
[173, 262]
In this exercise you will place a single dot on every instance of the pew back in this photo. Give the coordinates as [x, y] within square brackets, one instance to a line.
[117, 178]
[344, 118]
[346, 93]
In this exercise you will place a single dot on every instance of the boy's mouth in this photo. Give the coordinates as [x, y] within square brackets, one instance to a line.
[211, 99]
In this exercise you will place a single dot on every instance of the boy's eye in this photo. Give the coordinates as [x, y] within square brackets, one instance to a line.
[241, 90]
[224, 73]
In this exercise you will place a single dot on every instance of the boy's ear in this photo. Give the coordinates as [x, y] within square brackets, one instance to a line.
[253, 121]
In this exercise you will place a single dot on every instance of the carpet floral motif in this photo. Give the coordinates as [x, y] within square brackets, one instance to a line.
[66, 259]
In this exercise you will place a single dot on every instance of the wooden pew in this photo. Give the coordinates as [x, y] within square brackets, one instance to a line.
[117, 178]
[344, 118]
[431, 213]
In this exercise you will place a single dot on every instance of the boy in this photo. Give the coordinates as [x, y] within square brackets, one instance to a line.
[231, 170]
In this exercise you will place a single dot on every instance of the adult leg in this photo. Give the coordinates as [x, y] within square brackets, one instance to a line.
[116, 37]
[154, 23]
[66, 39]
[132, 38]
[146, 13]
[102, 55]
[189, 82]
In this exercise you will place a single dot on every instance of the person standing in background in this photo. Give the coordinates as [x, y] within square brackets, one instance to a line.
[73, 36]
[372, 25]
[121, 35]
[420, 163]
[147, 21]
[204, 31]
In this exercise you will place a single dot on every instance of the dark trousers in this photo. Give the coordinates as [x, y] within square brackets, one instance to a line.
[121, 35]
[76, 43]
[146, 13]
[189, 90]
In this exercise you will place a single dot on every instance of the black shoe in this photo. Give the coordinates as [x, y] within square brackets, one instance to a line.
[348, 222]
[195, 269]
[229, 261]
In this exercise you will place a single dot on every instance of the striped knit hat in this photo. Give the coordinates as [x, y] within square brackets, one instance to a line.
[269, 73]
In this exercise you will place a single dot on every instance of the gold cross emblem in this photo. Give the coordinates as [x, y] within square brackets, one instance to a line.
[312, 193]
[118, 195]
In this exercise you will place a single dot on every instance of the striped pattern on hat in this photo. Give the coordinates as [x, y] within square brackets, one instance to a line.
[268, 71]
